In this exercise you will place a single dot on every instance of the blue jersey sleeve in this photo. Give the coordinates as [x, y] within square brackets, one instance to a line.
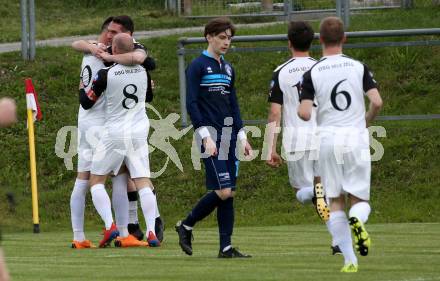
[235, 109]
[193, 77]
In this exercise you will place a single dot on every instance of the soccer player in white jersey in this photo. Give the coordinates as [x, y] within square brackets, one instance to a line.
[124, 24]
[124, 141]
[89, 125]
[298, 135]
[299, 140]
[339, 84]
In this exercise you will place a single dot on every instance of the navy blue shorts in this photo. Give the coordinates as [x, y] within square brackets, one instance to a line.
[222, 170]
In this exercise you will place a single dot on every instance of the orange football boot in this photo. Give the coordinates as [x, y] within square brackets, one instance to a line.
[129, 241]
[82, 245]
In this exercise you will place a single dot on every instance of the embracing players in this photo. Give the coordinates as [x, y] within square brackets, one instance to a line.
[89, 123]
[124, 141]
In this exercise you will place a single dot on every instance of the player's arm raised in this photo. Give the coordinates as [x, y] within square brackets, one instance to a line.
[88, 47]
[138, 56]
[89, 98]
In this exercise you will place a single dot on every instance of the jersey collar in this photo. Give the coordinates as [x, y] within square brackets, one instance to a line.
[206, 53]
[333, 56]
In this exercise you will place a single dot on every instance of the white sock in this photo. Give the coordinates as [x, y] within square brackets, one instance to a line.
[120, 201]
[148, 204]
[123, 231]
[340, 230]
[226, 248]
[305, 194]
[157, 207]
[133, 212]
[327, 223]
[361, 211]
[187, 227]
[77, 206]
[102, 204]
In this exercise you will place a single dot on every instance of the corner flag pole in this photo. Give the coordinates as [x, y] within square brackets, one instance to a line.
[33, 167]
[33, 113]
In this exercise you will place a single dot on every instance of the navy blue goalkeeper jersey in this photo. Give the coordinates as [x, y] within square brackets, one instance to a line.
[210, 94]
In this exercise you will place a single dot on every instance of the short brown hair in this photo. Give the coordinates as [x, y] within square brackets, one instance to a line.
[331, 31]
[219, 25]
[300, 34]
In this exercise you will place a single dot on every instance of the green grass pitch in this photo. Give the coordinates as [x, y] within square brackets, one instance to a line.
[409, 252]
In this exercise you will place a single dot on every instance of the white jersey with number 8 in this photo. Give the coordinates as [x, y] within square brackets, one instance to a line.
[125, 111]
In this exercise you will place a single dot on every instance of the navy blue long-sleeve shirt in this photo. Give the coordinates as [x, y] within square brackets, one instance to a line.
[210, 94]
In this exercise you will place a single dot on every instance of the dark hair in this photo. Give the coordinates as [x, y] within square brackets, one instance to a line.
[300, 34]
[106, 23]
[219, 25]
[331, 31]
[126, 22]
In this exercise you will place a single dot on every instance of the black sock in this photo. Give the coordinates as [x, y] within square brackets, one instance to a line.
[132, 195]
[225, 219]
[204, 207]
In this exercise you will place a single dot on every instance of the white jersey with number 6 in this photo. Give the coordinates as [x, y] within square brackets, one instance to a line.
[339, 84]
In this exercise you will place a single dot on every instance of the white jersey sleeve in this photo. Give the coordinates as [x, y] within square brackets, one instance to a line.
[285, 90]
[89, 69]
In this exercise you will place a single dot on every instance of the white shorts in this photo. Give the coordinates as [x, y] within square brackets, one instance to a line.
[89, 135]
[111, 154]
[302, 168]
[345, 169]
